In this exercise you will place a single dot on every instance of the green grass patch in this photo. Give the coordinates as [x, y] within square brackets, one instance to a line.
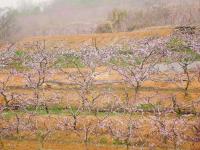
[40, 110]
[69, 61]
[119, 62]
[10, 114]
[19, 53]
[179, 46]
[103, 140]
[18, 65]
[147, 107]
[118, 142]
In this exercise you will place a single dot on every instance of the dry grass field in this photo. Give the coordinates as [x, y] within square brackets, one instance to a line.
[102, 39]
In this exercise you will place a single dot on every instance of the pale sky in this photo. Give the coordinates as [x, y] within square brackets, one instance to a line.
[16, 3]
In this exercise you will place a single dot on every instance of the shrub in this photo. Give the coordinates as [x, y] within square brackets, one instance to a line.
[104, 28]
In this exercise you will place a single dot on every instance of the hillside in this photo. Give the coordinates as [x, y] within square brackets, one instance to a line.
[75, 41]
[99, 74]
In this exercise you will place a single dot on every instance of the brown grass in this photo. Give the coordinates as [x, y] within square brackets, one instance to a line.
[75, 41]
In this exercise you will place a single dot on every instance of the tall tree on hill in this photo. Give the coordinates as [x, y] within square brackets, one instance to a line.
[7, 23]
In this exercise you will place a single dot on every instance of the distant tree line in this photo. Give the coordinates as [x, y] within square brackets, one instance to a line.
[120, 20]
